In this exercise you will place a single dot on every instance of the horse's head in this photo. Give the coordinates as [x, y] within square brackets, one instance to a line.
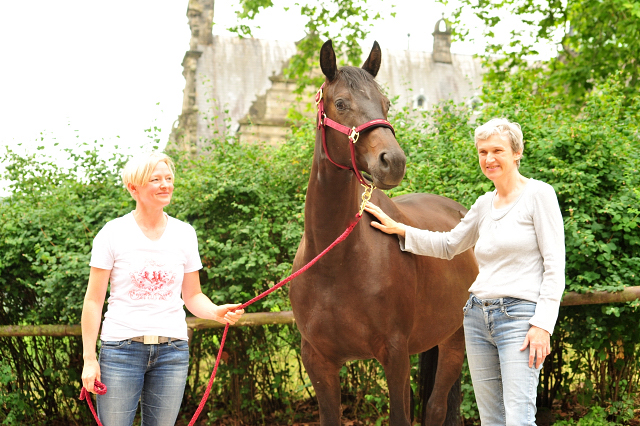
[353, 98]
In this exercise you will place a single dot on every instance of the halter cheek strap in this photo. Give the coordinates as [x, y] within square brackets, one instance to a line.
[353, 133]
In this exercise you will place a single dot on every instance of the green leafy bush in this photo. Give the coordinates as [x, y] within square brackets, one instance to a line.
[46, 231]
[591, 159]
[246, 203]
[590, 156]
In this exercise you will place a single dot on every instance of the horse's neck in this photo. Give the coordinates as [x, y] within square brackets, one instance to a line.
[332, 201]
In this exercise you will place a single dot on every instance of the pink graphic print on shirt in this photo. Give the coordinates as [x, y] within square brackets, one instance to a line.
[152, 282]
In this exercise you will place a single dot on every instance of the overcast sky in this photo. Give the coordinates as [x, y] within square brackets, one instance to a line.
[87, 70]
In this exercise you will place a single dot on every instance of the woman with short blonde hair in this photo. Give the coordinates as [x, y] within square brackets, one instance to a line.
[138, 169]
[151, 262]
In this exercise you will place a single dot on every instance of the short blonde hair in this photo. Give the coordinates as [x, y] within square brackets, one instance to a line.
[502, 127]
[138, 169]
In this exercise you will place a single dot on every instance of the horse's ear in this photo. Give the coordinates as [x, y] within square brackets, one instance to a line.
[372, 64]
[328, 61]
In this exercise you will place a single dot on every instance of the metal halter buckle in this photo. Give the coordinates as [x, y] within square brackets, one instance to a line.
[353, 136]
[319, 95]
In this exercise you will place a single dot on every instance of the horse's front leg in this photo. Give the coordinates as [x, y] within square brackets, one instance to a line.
[397, 369]
[325, 379]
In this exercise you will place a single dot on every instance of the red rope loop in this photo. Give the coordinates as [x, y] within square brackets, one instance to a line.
[100, 389]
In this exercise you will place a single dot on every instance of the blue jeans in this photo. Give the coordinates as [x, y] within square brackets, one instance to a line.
[504, 385]
[155, 375]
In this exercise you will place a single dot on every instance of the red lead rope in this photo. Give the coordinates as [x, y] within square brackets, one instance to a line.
[102, 389]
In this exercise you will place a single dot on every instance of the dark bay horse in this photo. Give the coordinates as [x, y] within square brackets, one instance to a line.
[366, 298]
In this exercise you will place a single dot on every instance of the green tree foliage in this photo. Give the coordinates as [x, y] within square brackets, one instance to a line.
[344, 21]
[246, 203]
[48, 224]
[593, 39]
[591, 159]
[590, 156]
[580, 113]
[46, 231]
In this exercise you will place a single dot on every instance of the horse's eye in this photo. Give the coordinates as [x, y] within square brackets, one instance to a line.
[340, 105]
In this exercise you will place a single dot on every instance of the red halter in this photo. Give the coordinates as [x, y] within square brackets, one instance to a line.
[353, 133]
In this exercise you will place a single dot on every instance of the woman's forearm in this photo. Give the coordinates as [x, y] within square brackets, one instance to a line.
[92, 310]
[90, 323]
[201, 306]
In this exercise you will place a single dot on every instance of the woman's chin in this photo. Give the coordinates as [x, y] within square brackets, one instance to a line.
[492, 174]
[164, 201]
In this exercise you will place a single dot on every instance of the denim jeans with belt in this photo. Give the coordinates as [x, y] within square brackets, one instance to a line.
[154, 374]
[504, 384]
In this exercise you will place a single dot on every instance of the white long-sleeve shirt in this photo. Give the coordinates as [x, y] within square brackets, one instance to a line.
[519, 248]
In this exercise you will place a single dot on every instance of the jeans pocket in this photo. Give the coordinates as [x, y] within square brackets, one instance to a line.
[112, 344]
[466, 307]
[180, 345]
[520, 311]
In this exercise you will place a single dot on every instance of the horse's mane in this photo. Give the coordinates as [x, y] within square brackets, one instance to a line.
[357, 77]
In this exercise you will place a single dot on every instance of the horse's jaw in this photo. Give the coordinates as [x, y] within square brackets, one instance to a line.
[384, 182]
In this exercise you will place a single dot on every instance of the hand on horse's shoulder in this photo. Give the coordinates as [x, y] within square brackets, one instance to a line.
[386, 224]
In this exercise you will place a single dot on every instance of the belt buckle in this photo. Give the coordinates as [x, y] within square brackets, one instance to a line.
[150, 340]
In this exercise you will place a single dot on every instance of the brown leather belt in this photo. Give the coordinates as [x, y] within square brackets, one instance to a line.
[153, 340]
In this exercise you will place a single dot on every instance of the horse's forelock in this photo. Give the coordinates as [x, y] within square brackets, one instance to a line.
[357, 78]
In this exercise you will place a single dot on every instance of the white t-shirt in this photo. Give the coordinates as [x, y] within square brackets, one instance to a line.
[146, 277]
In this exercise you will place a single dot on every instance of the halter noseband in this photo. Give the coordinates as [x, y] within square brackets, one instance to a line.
[353, 133]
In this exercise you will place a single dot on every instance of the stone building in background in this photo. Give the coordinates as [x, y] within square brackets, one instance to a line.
[235, 86]
[442, 42]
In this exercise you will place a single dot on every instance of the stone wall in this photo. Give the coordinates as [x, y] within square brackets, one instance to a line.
[413, 75]
[235, 86]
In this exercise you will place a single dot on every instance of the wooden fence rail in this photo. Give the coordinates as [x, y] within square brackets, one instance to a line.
[286, 317]
[193, 323]
[600, 297]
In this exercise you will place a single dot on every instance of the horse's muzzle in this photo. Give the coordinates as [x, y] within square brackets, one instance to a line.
[389, 168]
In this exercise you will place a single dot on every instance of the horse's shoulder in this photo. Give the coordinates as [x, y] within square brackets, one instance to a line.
[429, 202]
[430, 211]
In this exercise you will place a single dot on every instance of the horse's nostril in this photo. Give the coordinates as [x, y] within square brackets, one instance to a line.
[391, 161]
[384, 164]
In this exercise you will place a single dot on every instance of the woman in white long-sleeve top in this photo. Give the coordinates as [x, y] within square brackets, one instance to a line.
[518, 234]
